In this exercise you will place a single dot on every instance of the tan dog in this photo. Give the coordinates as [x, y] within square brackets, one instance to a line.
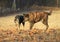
[34, 17]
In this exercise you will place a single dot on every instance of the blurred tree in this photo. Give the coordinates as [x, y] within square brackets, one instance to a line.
[14, 5]
[21, 4]
[9, 3]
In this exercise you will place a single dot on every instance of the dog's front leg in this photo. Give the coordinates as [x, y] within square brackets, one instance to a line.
[31, 24]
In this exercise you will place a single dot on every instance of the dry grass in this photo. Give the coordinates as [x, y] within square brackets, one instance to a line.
[34, 35]
[53, 21]
[9, 32]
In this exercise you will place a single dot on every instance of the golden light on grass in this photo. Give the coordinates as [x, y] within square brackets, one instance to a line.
[7, 27]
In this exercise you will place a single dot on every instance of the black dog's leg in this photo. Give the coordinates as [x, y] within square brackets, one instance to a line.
[19, 24]
[23, 23]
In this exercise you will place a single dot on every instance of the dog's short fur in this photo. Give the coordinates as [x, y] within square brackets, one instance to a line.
[34, 17]
[20, 19]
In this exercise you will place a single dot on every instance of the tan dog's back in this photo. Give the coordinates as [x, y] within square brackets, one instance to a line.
[35, 16]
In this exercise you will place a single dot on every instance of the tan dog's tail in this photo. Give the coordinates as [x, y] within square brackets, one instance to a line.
[49, 12]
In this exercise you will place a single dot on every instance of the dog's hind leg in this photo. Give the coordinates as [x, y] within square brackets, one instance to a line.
[47, 26]
[45, 22]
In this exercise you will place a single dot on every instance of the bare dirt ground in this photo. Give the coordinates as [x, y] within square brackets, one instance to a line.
[9, 32]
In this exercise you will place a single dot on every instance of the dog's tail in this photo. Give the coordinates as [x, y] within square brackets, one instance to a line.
[49, 12]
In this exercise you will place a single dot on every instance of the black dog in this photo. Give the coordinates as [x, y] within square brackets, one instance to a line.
[20, 19]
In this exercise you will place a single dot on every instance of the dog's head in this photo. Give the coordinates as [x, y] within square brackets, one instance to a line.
[26, 17]
[16, 18]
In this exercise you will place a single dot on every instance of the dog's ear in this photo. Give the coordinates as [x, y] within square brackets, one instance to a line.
[26, 15]
[23, 14]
